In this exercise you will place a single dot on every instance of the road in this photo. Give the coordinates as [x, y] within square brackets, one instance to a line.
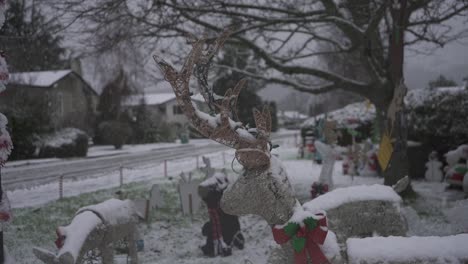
[42, 173]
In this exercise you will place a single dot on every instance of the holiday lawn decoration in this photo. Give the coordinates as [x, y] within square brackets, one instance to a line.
[207, 170]
[144, 206]
[369, 161]
[188, 193]
[223, 230]
[328, 155]
[397, 103]
[385, 151]
[156, 200]
[95, 227]
[457, 165]
[433, 168]
[455, 175]
[306, 232]
[318, 189]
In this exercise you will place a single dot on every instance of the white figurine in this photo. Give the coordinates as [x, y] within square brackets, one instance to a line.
[433, 171]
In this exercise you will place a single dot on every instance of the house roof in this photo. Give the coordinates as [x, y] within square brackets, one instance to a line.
[155, 99]
[348, 116]
[292, 115]
[39, 78]
[42, 79]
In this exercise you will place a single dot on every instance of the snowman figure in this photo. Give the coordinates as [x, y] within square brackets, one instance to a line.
[370, 167]
[433, 168]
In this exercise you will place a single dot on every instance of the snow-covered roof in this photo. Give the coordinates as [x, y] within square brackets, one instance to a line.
[39, 78]
[418, 96]
[361, 112]
[43, 79]
[292, 115]
[155, 99]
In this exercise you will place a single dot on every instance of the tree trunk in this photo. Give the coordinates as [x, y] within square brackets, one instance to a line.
[398, 165]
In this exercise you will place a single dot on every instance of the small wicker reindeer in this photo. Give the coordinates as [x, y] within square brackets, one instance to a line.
[263, 189]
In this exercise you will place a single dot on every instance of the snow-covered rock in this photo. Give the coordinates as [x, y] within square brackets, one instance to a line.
[449, 249]
[361, 211]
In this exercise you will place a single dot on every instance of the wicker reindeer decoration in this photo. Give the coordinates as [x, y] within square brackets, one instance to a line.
[264, 188]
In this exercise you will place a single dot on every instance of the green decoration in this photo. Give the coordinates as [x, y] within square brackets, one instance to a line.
[298, 243]
[291, 229]
[310, 223]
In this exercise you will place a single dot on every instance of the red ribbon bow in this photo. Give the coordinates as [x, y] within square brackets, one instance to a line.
[313, 238]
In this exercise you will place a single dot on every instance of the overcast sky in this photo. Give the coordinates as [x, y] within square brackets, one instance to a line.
[451, 61]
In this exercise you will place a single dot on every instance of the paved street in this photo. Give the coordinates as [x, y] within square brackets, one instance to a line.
[36, 174]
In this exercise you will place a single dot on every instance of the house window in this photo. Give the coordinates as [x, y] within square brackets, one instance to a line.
[177, 110]
[162, 109]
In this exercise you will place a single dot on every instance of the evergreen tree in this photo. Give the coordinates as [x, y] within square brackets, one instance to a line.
[441, 81]
[111, 98]
[241, 58]
[28, 41]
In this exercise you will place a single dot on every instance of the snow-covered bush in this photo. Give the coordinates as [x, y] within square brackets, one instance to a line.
[439, 121]
[68, 142]
[115, 133]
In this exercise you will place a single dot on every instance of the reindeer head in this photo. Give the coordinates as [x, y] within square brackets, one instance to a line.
[263, 189]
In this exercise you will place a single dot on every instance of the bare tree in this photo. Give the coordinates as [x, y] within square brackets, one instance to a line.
[290, 37]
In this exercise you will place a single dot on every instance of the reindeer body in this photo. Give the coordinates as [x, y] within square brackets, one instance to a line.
[95, 227]
[267, 190]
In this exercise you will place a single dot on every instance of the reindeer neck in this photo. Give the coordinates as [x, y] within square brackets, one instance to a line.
[276, 211]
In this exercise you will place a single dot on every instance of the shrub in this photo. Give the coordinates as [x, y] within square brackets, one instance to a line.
[440, 121]
[115, 133]
[68, 142]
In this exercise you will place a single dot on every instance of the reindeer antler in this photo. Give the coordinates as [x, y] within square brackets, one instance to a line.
[252, 151]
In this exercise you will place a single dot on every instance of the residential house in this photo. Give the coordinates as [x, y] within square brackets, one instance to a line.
[164, 106]
[291, 119]
[69, 99]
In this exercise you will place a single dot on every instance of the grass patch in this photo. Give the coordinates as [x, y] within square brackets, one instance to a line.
[35, 226]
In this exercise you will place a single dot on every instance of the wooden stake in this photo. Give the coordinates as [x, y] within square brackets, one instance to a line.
[61, 187]
[165, 168]
[121, 175]
[190, 204]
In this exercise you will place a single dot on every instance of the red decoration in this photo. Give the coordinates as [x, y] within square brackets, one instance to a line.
[318, 189]
[60, 239]
[314, 238]
[4, 216]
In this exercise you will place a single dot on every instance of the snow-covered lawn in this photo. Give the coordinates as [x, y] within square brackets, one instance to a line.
[171, 237]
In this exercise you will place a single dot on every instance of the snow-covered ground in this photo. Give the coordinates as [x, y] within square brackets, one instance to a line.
[171, 237]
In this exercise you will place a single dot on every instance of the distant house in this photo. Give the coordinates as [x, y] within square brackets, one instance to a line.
[291, 119]
[71, 102]
[163, 105]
